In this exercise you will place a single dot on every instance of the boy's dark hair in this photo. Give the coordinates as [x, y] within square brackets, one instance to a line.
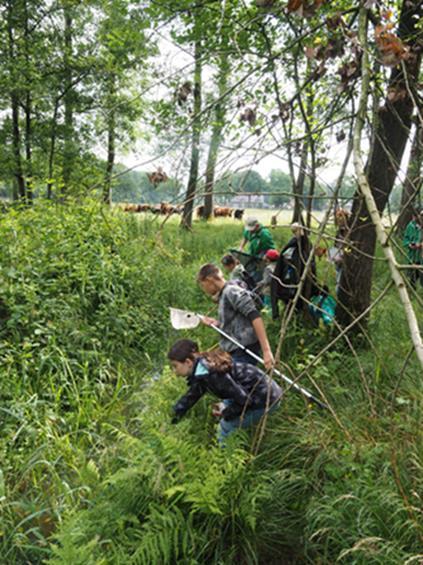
[228, 260]
[182, 350]
[208, 270]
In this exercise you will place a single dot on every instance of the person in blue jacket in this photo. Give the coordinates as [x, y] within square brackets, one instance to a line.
[246, 391]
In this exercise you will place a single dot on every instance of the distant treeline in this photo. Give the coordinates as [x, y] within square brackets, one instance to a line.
[135, 187]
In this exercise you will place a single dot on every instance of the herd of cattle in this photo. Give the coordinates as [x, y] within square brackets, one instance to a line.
[166, 209]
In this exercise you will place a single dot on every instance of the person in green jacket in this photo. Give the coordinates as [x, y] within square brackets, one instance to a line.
[259, 240]
[413, 244]
[258, 237]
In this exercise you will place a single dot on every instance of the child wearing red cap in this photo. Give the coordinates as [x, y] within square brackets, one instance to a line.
[270, 257]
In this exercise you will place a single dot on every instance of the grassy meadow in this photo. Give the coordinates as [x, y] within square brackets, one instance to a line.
[92, 472]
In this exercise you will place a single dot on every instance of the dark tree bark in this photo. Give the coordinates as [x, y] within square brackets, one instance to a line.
[52, 149]
[111, 139]
[28, 111]
[186, 221]
[68, 149]
[15, 100]
[307, 147]
[392, 132]
[413, 181]
[28, 147]
[298, 188]
[17, 147]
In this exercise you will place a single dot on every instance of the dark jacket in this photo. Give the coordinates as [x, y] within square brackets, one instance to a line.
[288, 271]
[247, 386]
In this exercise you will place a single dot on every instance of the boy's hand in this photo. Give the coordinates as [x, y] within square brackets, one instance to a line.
[268, 359]
[209, 321]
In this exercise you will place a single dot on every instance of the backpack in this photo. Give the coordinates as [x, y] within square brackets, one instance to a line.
[248, 279]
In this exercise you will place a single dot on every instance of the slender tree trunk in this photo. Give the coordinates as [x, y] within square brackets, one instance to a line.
[186, 221]
[392, 132]
[15, 190]
[216, 137]
[52, 150]
[307, 113]
[14, 100]
[311, 191]
[111, 139]
[413, 181]
[68, 149]
[17, 148]
[299, 184]
[28, 112]
[312, 148]
[28, 148]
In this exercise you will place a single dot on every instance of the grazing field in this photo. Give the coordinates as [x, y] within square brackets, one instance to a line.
[93, 472]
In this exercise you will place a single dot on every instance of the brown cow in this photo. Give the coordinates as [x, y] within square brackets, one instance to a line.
[144, 208]
[168, 209]
[223, 212]
[127, 207]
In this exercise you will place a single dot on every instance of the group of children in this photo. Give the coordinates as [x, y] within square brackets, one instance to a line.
[229, 373]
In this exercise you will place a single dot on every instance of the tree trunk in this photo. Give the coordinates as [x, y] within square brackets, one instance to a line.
[370, 200]
[28, 112]
[216, 137]
[307, 144]
[186, 221]
[28, 148]
[68, 148]
[17, 148]
[14, 100]
[413, 181]
[310, 198]
[392, 132]
[299, 185]
[308, 119]
[111, 139]
[52, 150]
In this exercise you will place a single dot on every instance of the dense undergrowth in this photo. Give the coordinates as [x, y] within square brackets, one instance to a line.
[92, 471]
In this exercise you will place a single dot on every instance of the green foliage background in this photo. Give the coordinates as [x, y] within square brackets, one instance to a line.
[92, 471]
